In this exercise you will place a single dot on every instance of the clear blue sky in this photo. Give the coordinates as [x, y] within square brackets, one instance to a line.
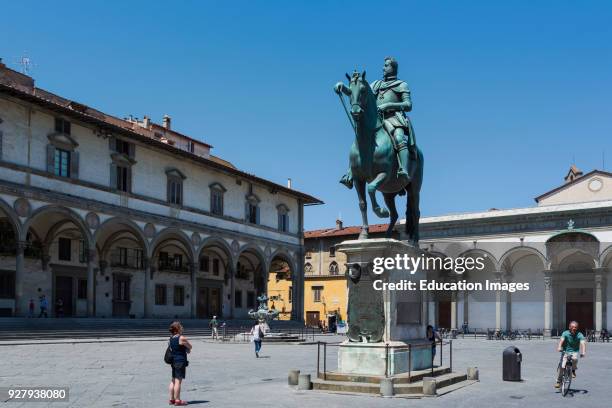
[505, 94]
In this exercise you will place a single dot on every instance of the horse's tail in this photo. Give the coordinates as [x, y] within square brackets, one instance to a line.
[417, 181]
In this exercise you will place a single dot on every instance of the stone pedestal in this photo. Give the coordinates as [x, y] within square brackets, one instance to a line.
[386, 327]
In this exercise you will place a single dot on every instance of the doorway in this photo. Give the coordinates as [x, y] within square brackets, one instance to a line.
[313, 319]
[444, 314]
[64, 291]
[121, 296]
[579, 307]
[208, 302]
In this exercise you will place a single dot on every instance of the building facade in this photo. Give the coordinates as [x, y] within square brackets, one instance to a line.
[562, 248]
[126, 217]
[325, 287]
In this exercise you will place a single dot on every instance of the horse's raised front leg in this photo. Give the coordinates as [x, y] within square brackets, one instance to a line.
[372, 187]
[390, 203]
[363, 207]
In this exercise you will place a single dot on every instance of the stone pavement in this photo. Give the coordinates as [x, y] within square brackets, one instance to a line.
[132, 374]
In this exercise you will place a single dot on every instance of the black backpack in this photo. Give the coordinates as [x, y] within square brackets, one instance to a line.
[168, 358]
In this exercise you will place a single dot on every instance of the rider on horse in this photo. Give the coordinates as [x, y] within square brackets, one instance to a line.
[392, 100]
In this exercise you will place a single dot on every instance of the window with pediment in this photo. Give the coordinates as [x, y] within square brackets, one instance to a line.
[123, 159]
[283, 217]
[62, 156]
[216, 198]
[252, 208]
[174, 186]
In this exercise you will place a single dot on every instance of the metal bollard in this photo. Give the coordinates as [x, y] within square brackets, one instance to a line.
[304, 382]
[429, 386]
[472, 373]
[293, 377]
[386, 387]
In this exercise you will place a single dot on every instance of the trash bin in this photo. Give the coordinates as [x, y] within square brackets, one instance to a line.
[512, 358]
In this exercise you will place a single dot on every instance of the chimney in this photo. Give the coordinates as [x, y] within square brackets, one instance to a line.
[166, 123]
[338, 224]
[146, 122]
[289, 183]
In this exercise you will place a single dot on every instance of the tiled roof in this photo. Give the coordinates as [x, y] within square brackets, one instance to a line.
[22, 87]
[336, 232]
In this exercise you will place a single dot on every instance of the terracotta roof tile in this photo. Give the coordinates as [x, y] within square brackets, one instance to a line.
[352, 230]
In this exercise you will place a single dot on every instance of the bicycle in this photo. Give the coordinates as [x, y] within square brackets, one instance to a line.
[566, 379]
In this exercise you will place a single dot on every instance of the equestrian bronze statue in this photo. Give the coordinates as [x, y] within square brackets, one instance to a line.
[384, 155]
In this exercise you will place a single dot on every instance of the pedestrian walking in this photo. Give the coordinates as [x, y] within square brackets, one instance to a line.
[43, 304]
[179, 346]
[258, 334]
[433, 336]
[214, 324]
[31, 308]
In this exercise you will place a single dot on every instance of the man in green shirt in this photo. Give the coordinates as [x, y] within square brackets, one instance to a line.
[571, 343]
[213, 324]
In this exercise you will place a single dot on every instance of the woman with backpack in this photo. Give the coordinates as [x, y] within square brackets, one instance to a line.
[178, 347]
[258, 333]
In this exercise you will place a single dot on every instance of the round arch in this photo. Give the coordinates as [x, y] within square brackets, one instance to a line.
[528, 250]
[12, 217]
[607, 252]
[283, 254]
[172, 233]
[122, 225]
[252, 248]
[212, 242]
[264, 265]
[484, 252]
[71, 216]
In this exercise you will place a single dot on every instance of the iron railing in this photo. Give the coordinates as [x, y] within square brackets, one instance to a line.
[408, 349]
[242, 334]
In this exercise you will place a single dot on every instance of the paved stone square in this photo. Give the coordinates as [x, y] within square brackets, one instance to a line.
[132, 374]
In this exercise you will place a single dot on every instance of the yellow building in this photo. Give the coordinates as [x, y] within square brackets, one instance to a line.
[279, 289]
[325, 286]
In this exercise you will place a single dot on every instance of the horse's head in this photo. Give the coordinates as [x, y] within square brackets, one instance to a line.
[359, 90]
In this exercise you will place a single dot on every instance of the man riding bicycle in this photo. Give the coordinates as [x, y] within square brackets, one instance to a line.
[571, 343]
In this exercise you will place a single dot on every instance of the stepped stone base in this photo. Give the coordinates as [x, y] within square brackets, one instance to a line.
[403, 384]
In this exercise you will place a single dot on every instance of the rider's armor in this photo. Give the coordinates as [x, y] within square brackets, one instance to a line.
[394, 91]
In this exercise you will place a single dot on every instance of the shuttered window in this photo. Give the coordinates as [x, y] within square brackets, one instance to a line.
[179, 296]
[123, 178]
[175, 191]
[160, 294]
[61, 163]
[216, 202]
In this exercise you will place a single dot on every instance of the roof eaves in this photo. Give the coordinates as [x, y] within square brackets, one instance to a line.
[16, 92]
